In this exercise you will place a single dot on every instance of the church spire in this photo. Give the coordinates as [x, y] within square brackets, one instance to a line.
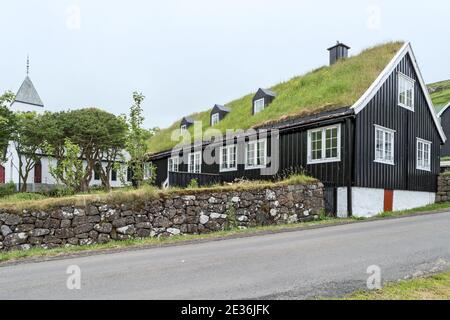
[28, 64]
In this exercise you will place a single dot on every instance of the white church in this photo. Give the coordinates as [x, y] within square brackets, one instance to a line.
[27, 100]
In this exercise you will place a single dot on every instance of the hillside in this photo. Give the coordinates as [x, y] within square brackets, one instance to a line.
[326, 88]
[440, 93]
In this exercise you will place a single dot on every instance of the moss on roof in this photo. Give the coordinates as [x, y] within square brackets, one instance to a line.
[440, 93]
[326, 88]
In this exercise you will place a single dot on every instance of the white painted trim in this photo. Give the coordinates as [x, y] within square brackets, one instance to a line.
[189, 161]
[423, 141]
[254, 104]
[265, 156]
[402, 76]
[323, 149]
[384, 75]
[215, 116]
[183, 129]
[439, 114]
[221, 158]
[391, 131]
[178, 164]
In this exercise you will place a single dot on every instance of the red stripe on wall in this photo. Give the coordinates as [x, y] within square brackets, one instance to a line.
[388, 200]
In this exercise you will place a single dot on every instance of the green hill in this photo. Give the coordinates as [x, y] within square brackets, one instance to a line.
[326, 88]
[440, 93]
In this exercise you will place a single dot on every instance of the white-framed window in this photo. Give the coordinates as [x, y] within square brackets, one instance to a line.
[214, 118]
[173, 165]
[423, 158]
[183, 129]
[258, 105]
[255, 154]
[195, 162]
[384, 145]
[228, 161]
[406, 91]
[324, 144]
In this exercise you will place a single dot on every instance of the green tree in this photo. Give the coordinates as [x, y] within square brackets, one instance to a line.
[7, 123]
[28, 140]
[137, 141]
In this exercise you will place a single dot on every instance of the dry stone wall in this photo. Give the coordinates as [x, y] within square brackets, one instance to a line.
[443, 194]
[165, 215]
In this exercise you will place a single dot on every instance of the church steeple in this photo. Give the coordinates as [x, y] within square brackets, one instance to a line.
[27, 96]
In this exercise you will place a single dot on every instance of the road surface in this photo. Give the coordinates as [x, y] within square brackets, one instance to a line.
[329, 261]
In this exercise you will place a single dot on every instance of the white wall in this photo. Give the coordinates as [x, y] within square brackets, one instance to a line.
[404, 200]
[368, 202]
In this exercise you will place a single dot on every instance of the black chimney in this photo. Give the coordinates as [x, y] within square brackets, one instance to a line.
[337, 52]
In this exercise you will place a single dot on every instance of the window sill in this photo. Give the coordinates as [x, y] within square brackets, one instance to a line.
[228, 170]
[424, 169]
[406, 107]
[324, 161]
[385, 162]
[255, 167]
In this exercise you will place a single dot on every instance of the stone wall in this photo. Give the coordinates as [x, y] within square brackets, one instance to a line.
[443, 194]
[165, 215]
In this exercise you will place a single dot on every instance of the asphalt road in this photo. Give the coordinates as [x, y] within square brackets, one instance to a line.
[303, 264]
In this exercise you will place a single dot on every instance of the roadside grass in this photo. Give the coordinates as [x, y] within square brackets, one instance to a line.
[180, 239]
[323, 89]
[434, 287]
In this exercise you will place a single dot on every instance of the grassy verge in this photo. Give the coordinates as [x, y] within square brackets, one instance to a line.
[147, 242]
[435, 287]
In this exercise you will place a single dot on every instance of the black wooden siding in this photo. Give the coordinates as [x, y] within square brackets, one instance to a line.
[222, 113]
[445, 122]
[383, 110]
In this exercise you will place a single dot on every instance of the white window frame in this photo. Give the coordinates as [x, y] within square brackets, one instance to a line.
[228, 149]
[405, 80]
[194, 154]
[215, 118]
[255, 111]
[177, 161]
[421, 166]
[183, 129]
[255, 143]
[324, 159]
[392, 132]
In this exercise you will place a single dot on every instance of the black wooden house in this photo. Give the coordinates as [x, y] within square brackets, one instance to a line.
[379, 154]
[444, 118]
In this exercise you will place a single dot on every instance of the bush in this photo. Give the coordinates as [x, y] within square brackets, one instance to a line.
[59, 192]
[193, 184]
[7, 189]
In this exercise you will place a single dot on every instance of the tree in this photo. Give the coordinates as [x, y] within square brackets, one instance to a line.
[28, 140]
[137, 140]
[7, 123]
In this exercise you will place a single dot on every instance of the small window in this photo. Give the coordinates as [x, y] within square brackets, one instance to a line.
[174, 164]
[228, 158]
[97, 169]
[324, 144]
[255, 154]
[113, 175]
[195, 162]
[183, 129]
[405, 92]
[384, 145]
[258, 105]
[214, 119]
[423, 155]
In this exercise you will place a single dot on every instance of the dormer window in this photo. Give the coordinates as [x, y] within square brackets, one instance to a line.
[183, 129]
[215, 118]
[406, 92]
[258, 105]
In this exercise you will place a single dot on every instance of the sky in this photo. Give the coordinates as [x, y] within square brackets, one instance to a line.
[186, 56]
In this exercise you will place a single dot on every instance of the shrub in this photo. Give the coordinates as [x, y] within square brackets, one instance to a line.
[193, 184]
[7, 189]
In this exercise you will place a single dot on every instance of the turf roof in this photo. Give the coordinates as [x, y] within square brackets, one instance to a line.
[440, 94]
[323, 89]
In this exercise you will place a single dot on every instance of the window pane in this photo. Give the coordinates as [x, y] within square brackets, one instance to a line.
[316, 145]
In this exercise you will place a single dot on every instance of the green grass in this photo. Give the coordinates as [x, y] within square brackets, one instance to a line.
[24, 196]
[435, 287]
[430, 208]
[325, 88]
[440, 93]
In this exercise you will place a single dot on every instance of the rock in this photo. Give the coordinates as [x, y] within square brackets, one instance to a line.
[15, 239]
[161, 222]
[78, 212]
[64, 233]
[84, 228]
[204, 219]
[92, 210]
[103, 227]
[103, 238]
[66, 214]
[188, 198]
[242, 218]
[273, 212]
[40, 232]
[5, 230]
[173, 231]
[66, 223]
[235, 199]
[270, 195]
[86, 242]
[293, 219]
[144, 225]
[12, 219]
[127, 230]
[118, 223]
[143, 233]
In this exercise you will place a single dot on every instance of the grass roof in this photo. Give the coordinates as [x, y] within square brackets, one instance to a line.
[326, 88]
[440, 93]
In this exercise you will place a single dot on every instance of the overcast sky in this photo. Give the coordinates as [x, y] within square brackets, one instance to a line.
[185, 56]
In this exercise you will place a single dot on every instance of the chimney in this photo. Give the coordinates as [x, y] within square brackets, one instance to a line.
[338, 51]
